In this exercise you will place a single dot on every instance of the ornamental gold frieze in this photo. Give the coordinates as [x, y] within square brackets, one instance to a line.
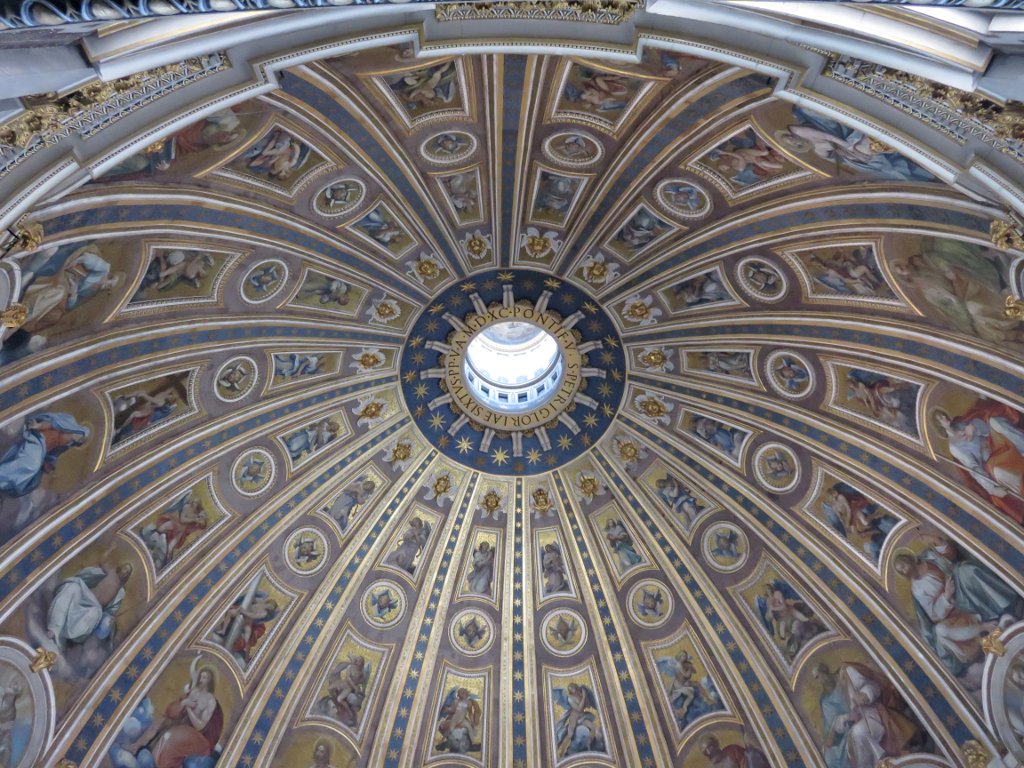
[588, 11]
[961, 115]
[1008, 232]
[50, 118]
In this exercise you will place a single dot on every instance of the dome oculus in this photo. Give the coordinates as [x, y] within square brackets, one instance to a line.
[513, 366]
[513, 371]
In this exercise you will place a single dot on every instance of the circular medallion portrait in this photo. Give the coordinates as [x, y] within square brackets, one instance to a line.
[650, 603]
[790, 374]
[264, 281]
[448, 147]
[776, 467]
[563, 632]
[306, 551]
[761, 279]
[253, 472]
[383, 604]
[573, 149]
[725, 547]
[683, 199]
[235, 379]
[472, 632]
[339, 197]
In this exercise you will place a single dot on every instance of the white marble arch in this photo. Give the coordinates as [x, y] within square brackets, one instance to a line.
[32, 728]
[1003, 698]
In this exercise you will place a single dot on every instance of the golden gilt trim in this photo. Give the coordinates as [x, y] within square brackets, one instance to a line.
[28, 235]
[993, 643]
[1014, 308]
[14, 316]
[588, 11]
[1007, 232]
[974, 754]
[48, 118]
[43, 660]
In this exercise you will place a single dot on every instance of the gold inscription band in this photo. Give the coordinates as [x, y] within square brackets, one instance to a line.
[465, 401]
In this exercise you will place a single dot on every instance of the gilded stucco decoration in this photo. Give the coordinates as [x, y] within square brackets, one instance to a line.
[772, 515]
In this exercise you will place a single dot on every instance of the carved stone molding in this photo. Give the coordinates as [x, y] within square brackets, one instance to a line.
[590, 11]
[48, 119]
[958, 114]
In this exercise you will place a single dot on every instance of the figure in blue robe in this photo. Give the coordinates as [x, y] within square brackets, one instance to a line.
[850, 146]
[44, 437]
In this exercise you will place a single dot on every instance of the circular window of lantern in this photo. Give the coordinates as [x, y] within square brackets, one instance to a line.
[513, 371]
[512, 367]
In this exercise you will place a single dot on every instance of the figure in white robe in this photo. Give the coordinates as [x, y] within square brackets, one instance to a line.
[51, 295]
[957, 600]
[873, 725]
[87, 604]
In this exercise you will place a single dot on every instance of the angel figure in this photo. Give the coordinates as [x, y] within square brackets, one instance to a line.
[346, 690]
[277, 155]
[689, 698]
[293, 365]
[459, 722]
[579, 729]
[556, 578]
[383, 603]
[428, 87]
[174, 528]
[414, 538]
[726, 544]
[166, 270]
[244, 624]
[599, 91]
[651, 603]
[253, 471]
[380, 227]
[789, 620]
[264, 278]
[234, 376]
[440, 488]
[481, 573]
[542, 504]
[679, 498]
[472, 632]
[327, 290]
[563, 630]
[621, 543]
[749, 158]
[189, 730]
[350, 500]
[139, 410]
